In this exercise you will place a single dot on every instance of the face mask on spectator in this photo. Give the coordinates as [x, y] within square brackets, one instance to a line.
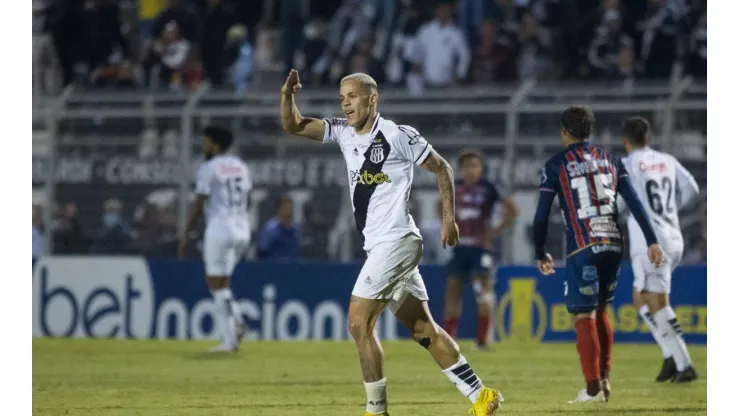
[110, 220]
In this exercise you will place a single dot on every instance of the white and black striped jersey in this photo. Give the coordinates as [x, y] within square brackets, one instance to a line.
[380, 165]
[226, 181]
[664, 186]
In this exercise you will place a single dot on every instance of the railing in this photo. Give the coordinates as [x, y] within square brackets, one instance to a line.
[520, 121]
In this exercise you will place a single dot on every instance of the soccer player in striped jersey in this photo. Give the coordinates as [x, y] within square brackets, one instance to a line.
[664, 187]
[380, 157]
[586, 180]
[472, 260]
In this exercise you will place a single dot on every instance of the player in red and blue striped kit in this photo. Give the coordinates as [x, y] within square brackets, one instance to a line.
[586, 180]
[472, 259]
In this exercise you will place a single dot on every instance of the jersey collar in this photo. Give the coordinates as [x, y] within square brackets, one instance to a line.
[376, 125]
[574, 145]
[641, 150]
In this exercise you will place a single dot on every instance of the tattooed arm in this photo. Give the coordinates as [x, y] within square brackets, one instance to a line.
[446, 183]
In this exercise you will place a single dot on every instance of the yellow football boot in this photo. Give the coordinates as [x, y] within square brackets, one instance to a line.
[488, 402]
[373, 414]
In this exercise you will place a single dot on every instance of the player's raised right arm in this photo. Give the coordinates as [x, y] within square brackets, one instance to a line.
[291, 118]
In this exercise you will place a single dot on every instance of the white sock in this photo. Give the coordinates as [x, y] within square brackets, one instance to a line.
[376, 400]
[464, 378]
[650, 321]
[235, 311]
[223, 313]
[231, 321]
[671, 332]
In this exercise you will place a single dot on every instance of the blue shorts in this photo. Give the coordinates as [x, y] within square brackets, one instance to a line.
[468, 262]
[592, 278]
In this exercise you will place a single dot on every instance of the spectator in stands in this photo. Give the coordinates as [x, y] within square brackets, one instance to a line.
[280, 238]
[38, 239]
[108, 48]
[534, 45]
[604, 52]
[114, 236]
[362, 60]
[495, 56]
[174, 15]
[215, 22]
[175, 59]
[659, 38]
[241, 48]
[441, 52]
[69, 237]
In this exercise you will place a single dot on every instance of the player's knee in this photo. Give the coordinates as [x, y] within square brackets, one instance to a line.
[423, 330]
[454, 289]
[656, 301]
[360, 327]
[485, 299]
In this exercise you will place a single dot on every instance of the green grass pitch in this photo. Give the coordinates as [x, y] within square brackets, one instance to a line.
[122, 378]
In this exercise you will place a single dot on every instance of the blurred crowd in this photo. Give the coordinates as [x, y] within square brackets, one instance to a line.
[152, 231]
[419, 43]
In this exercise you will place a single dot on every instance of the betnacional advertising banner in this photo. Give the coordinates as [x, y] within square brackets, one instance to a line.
[132, 297]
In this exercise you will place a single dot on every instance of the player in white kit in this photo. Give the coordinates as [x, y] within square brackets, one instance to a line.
[664, 187]
[223, 183]
[380, 157]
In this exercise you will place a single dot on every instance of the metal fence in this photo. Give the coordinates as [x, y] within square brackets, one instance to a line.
[84, 132]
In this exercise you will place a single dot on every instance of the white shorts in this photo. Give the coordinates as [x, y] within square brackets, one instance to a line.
[649, 278]
[391, 272]
[222, 249]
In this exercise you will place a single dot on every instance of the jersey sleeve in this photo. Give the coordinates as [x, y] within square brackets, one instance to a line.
[411, 145]
[687, 186]
[248, 184]
[332, 129]
[203, 180]
[548, 179]
[540, 222]
[620, 168]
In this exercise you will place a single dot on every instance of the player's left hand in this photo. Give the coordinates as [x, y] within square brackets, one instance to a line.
[655, 254]
[181, 248]
[450, 233]
[545, 266]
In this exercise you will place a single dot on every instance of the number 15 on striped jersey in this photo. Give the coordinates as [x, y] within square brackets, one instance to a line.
[605, 195]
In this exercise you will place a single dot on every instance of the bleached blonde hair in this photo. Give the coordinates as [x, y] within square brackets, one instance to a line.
[367, 83]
